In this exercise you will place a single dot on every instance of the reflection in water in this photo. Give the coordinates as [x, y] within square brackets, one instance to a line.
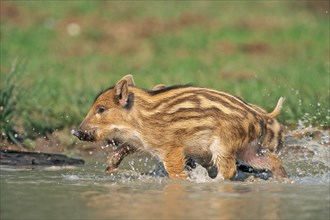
[174, 200]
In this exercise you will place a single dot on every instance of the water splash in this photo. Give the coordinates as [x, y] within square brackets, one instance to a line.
[71, 177]
[200, 175]
[306, 152]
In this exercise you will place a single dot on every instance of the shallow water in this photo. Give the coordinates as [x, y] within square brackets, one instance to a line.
[86, 192]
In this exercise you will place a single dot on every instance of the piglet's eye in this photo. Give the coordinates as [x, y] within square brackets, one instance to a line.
[100, 109]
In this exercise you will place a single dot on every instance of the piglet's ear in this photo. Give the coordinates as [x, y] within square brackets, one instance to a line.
[122, 93]
[129, 79]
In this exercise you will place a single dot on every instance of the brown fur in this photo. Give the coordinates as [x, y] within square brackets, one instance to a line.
[174, 123]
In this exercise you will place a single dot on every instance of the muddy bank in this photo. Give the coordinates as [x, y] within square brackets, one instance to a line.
[19, 158]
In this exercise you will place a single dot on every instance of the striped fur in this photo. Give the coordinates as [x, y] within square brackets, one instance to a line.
[177, 122]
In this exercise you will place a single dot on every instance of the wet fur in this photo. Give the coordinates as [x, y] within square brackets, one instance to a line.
[173, 123]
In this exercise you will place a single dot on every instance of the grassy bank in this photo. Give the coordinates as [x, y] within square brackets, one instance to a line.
[258, 50]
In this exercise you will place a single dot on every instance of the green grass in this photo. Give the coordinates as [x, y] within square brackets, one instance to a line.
[258, 50]
[9, 93]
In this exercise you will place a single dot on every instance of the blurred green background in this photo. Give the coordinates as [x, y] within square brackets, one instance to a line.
[57, 55]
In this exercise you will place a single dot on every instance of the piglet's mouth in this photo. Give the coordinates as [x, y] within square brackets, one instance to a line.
[83, 135]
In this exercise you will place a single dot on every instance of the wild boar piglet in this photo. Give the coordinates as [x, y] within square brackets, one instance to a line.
[178, 122]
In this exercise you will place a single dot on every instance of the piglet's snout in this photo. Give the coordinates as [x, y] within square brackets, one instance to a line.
[83, 135]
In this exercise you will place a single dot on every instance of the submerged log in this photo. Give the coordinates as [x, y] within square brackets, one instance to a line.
[20, 158]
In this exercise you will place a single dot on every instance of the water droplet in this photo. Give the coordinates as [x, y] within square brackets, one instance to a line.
[131, 164]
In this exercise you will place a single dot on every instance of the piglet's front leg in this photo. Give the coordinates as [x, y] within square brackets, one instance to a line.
[174, 162]
[114, 159]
